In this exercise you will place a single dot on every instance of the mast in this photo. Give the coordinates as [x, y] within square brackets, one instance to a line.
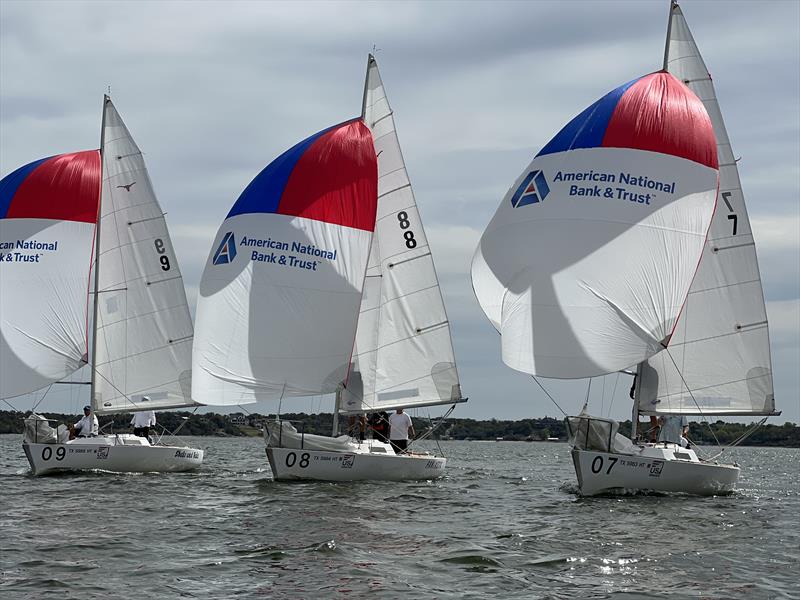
[370, 60]
[672, 5]
[92, 361]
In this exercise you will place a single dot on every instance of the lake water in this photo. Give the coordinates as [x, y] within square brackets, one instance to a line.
[504, 523]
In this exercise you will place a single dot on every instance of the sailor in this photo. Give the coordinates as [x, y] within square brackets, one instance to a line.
[379, 422]
[400, 426]
[674, 429]
[143, 420]
[88, 425]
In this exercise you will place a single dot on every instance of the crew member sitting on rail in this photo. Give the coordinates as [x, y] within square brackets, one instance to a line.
[88, 425]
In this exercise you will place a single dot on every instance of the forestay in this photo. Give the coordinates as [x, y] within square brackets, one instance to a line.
[281, 289]
[144, 329]
[586, 263]
[48, 211]
[721, 341]
[403, 354]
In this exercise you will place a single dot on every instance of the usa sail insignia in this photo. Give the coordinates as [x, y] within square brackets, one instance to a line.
[308, 249]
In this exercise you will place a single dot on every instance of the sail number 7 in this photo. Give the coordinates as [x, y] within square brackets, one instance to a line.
[163, 258]
[732, 216]
[402, 217]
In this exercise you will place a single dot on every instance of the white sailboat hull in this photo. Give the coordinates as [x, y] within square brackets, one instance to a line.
[110, 453]
[292, 464]
[653, 469]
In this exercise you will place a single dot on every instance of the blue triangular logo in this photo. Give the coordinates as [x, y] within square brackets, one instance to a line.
[533, 189]
[226, 251]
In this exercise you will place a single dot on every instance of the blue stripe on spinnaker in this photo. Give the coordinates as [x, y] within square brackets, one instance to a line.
[11, 182]
[263, 194]
[588, 128]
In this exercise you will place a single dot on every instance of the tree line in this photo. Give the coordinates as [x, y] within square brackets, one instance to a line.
[212, 424]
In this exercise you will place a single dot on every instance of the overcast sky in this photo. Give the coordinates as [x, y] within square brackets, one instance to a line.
[213, 91]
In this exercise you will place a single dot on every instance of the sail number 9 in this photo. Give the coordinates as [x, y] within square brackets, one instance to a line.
[597, 464]
[402, 217]
[163, 258]
[291, 460]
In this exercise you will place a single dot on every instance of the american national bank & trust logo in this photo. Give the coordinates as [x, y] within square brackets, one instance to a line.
[226, 251]
[533, 189]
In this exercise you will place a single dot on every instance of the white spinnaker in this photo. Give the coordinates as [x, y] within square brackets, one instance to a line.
[144, 329]
[267, 330]
[721, 341]
[580, 288]
[403, 355]
[43, 304]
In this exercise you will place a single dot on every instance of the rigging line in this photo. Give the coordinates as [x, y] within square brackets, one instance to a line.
[603, 396]
[549, 396]
[614, 393]
[175, 433]
[741, 438]
[280, 400]
[42, 398]
[14, 408]
[588, 391]
[700, 410]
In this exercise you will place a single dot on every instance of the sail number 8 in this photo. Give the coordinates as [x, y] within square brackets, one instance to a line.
[402, 217]
[163, 258]
[291, 460]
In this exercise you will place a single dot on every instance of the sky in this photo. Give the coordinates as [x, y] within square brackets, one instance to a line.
[213, 91]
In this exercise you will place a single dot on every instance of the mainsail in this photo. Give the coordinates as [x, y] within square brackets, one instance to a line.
[281, 289]
[143, 327]
[403, 355]
[586, 264]
[48, 211]
[720, 347]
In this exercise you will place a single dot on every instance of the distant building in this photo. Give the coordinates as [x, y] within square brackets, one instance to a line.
[237, 419]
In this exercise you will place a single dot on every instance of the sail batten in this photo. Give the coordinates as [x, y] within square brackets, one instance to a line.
[721, 343]
[143, 325]
[403, 355]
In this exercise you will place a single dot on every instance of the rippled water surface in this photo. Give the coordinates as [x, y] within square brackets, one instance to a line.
[504, 524]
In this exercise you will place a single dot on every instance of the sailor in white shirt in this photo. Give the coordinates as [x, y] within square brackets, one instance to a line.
[88, 425]
[400, 426]
[143, 420]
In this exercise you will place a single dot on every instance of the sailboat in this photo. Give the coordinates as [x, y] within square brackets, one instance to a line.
[141, 329]
[299, 331]
[587, 265]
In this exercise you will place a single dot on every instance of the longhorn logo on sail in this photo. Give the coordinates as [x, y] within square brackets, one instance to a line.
[226, 251]
[533, 189]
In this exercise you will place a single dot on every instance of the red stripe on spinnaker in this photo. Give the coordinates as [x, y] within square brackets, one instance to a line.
[660, 114]
[64, 188]
[336, 179]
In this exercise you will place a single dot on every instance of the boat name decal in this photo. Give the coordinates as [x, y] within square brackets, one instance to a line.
[187, 454]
